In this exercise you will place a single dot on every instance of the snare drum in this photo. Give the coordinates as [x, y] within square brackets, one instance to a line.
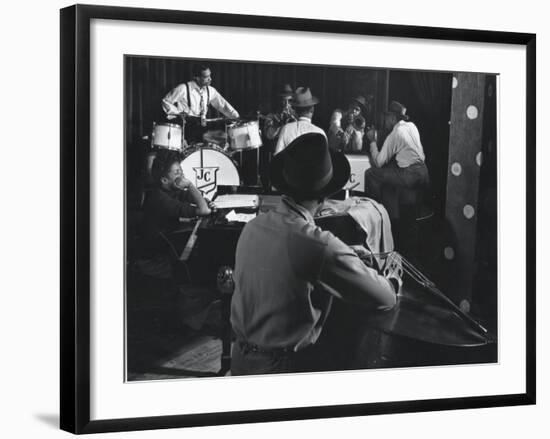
[244, 135]
[167, 136]
[207, 167]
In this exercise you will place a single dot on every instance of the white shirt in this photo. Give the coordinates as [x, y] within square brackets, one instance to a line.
[294, 129]
[175, 102]
[403, 143]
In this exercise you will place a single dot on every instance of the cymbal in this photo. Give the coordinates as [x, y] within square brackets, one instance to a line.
[254, 115]
[217, 137]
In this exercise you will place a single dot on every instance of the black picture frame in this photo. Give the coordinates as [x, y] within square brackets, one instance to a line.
[75, 217]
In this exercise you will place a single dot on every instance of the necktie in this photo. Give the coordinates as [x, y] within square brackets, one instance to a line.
[202, 106]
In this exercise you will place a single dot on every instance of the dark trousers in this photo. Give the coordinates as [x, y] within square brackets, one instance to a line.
[246, 360]
[387, 184]
[194, 130]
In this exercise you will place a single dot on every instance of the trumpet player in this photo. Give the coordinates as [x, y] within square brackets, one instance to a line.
[286, 114]
[346, 130]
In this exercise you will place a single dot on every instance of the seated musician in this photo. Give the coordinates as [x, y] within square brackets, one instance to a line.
[347, 129]
[288, 270]
[173, 197]
[303, 102]
[400, 163]
[191, 100]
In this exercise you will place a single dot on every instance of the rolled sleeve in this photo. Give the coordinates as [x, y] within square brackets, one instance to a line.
[174, 102]
[220, 104]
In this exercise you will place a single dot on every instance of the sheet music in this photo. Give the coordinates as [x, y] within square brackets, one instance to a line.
[234, 201]
[240, 217]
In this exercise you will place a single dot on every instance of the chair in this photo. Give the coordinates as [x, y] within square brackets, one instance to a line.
[409, 209]
[195, 302]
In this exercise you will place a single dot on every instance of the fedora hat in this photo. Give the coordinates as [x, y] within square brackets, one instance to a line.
[307, 169]
[286, 91]
[302, 97]
[398, 109]
[362, 101]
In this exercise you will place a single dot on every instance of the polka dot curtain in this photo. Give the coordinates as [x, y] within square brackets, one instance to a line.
[465, 160]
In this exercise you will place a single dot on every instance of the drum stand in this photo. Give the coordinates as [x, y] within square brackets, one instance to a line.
[184, 144]
[258, 179]
[227, 148]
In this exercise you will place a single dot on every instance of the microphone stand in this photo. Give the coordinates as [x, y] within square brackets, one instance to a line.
[258, 180]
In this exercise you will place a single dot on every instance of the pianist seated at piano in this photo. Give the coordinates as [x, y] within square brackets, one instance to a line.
[172, 199]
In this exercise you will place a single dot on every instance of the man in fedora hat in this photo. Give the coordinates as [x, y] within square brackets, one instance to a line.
[346, 130]
[288, 270]
[400, 161]
[303, 103]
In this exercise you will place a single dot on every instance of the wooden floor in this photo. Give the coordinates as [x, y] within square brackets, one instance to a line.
[196, 357]
[164, 342]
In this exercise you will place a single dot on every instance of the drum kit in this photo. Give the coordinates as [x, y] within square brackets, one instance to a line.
[214, 161]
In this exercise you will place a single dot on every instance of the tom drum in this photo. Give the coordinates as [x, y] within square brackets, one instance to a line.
[167, 136]
[244, 135]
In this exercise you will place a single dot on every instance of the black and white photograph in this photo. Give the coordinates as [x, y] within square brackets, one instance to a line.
[275, 219]
[285, 218]
[282, 218]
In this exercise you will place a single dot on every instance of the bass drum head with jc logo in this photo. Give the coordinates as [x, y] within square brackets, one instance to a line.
[207, 167]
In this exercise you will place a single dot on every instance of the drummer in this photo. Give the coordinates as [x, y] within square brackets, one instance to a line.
[190, 100]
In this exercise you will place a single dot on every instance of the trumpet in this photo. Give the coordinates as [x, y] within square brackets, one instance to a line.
[287, 114]
[358, 123]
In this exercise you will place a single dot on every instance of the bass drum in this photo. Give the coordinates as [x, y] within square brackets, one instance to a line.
[207, 166]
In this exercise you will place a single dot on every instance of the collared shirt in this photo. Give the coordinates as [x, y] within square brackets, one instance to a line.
[294, 129]
[287, 272]
[176, 102]
[403, 143]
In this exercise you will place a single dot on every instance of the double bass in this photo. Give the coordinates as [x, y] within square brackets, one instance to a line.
[424, 328]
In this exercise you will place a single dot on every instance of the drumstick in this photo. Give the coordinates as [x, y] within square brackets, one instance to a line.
[219, 119]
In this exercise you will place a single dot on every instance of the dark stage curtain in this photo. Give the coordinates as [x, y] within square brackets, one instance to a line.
[248, 86]
[429, 89]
